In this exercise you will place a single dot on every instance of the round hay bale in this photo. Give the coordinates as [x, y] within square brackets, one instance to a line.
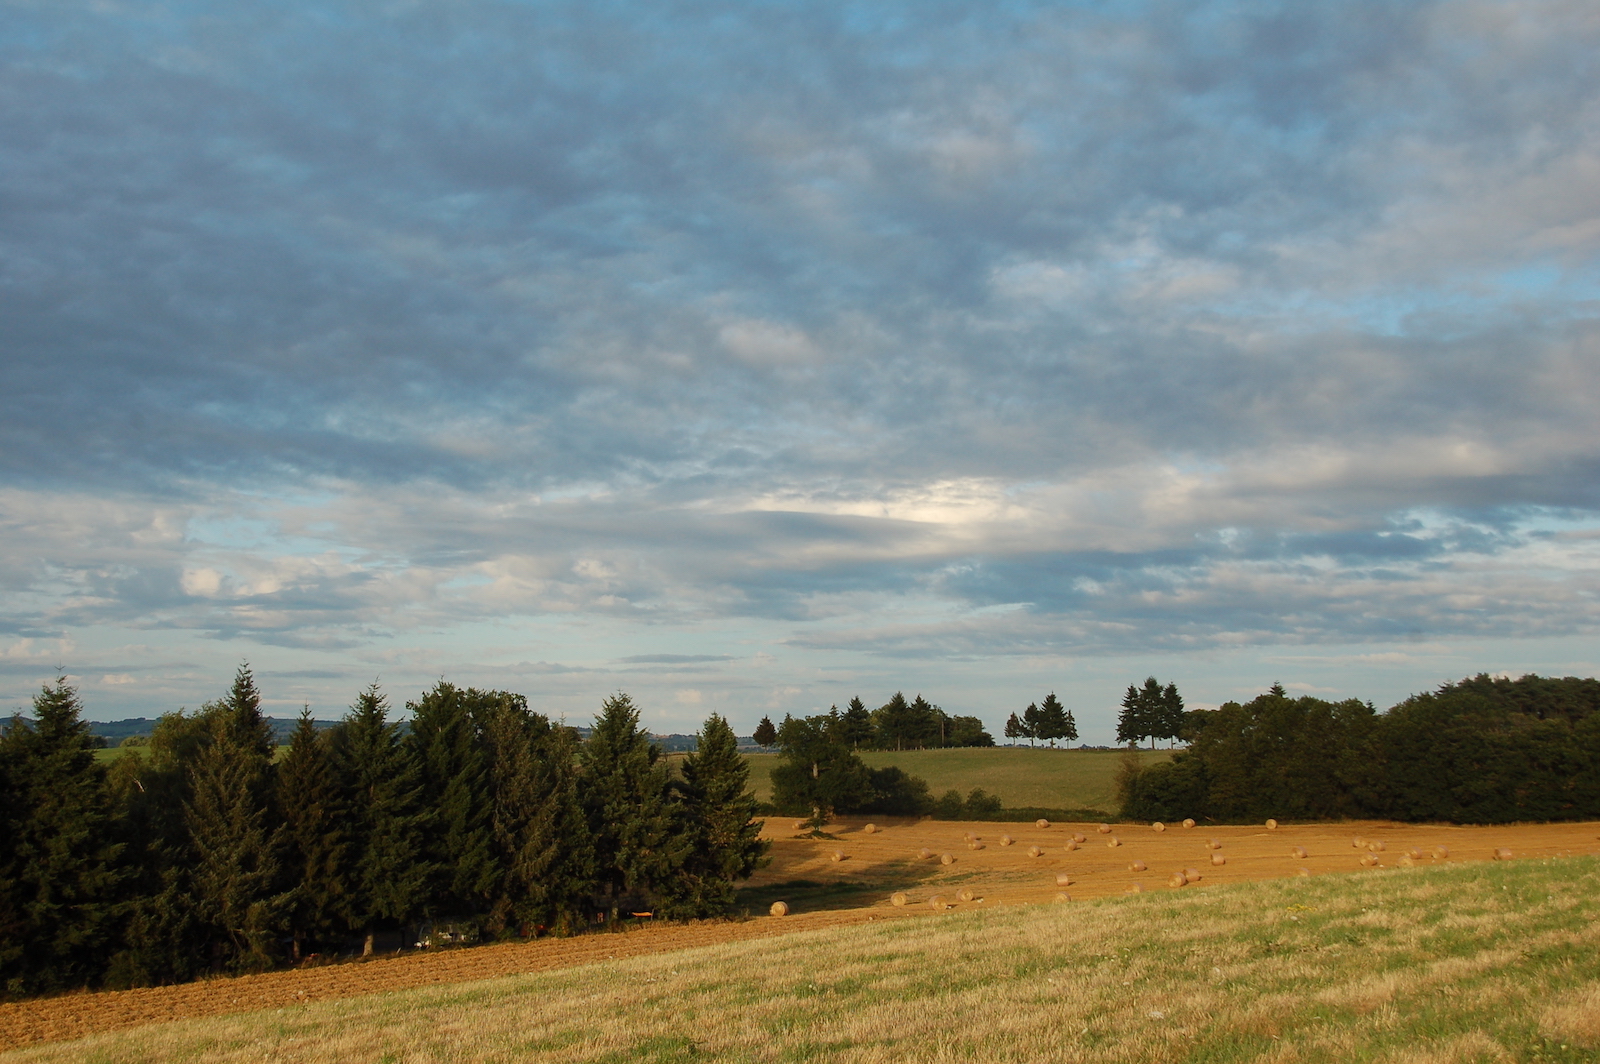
[1359, 843]
[1377, 845]
[838, 855]
[965, 894]
[1272, 825]
[870, 829]
[779, 908]
[1135, 888]
[1218, 859]
[1177, 879]
[1298, 852]
[1192, 875]
[969, 836]
[799, 825]
[937, 903]
[1137, 866]
[1369, 860]
[1079, 838]
[1041, 823]
[947, 858]
[898, 899]
[1072, 844]
[1062, 897]
[1063, 879]
[1104, 829]
[1158, 826]
[1414, 853]
[1113, 842]
[1035, 851]
[1502, 854]
[1405, 861]
[1303, 872]
[925, 853]
[1006, 840]
[974, 845]
[1441, 852]
[1213, 844]
[1188, 821]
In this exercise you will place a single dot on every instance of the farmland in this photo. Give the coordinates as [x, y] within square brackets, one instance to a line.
[1449, 960]
[1020, 776]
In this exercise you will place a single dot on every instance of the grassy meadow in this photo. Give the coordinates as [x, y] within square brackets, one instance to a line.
[1020, 776]
[1468, 962]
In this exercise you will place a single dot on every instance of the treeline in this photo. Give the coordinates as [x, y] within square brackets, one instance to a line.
[1481, 751]
[898, 724]
[199, 853]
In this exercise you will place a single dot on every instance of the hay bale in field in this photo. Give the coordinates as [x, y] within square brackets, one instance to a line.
[1035, 851]
[1158, 826]
[1177, 879]
[1041, 823]
[947, 858]
[1405, 861]
[1303, 872]
[1188, 822]
[969, 836]
[838, 855]
[779, 908]
[974, 845]
[965, 894]
[1104, 829]
[1502, 854]
[1369, 860]
[1063, 879]
[1213, 844]
[1080, 839]
[1062, 897]
[1072, 844]
[870, 829]
[1113, 842]
[1414, 853]
[1136, 866]
[937, 903]
[1006, 840]
[1218, 859]
[1441, 852]
[1192, 875]
[898, 899]
[1359, 843]
[925, 853]
[1299, 852]
[1272, 825]
[1377, 845]
[1135, 888]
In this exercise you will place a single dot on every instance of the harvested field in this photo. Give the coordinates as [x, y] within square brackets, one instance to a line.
[822, 893]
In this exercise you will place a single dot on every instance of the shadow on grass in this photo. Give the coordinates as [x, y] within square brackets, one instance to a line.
[811, 895]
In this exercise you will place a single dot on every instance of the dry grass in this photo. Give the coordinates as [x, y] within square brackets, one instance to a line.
[1489, 961]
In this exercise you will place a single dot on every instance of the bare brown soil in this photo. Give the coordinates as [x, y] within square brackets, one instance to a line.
[878, 863]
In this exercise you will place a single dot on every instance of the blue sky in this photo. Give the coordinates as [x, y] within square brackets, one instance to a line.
[748, 357]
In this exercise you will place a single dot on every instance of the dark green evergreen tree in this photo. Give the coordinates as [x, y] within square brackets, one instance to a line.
[855, 725]
[765, 734]
[316, 839]
[58, 867]
[542, 846]
[445, 742]
[1052, 720]
[719, 818]
[1030, 722]
[895, 723]
[638, 841]
[389, 871]
[1014, 727]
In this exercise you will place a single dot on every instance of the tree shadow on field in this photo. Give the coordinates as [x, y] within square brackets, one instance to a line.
[872, 886]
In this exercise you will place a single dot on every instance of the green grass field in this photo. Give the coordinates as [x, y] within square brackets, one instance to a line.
[1470, 962]
[1052, 779]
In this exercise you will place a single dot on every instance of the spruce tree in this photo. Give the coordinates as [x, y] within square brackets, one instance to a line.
[316, 838]
[637, 839]
[765, 734]
[454, 773]
[542, 848]
[719, 814]
[381, 780]
[59, 875]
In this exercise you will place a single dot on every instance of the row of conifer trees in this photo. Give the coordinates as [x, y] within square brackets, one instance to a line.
[202, 852]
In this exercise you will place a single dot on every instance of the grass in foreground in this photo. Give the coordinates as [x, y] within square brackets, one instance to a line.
[1020, 776]
[1482, 962]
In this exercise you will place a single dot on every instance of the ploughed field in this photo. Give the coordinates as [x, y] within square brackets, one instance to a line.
[851, 879]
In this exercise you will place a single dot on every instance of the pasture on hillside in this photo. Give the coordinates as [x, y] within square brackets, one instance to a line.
[1020, 776]
[1467, 962]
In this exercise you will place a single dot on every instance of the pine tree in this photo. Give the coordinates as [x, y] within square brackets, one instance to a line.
[638, 845]
[316, 838]
[765, 734]
[1052, 723]
[855, 725]
[1013, 727]
[720, 816]
[389, 873]
[1030, 723]
[445, 743]
[542, 846]
[58, 873]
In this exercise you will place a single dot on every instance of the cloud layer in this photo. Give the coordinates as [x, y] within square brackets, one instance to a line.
[617, 345]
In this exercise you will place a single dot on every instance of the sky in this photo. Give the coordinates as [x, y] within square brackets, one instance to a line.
[748, 357]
